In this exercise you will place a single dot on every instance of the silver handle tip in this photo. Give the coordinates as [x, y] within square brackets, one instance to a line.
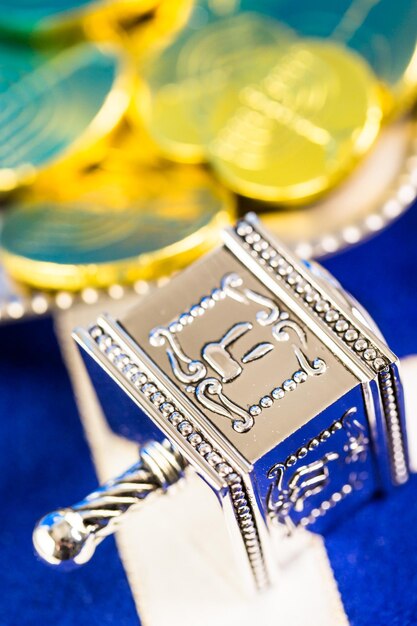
[62, 540]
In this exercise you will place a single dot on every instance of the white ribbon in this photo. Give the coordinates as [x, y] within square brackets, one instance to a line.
[173, 586]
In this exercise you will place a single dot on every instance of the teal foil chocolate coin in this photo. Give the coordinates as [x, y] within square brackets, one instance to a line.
[51, 105]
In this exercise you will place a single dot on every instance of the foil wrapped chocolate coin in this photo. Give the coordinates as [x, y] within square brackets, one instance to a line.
[257, 371]
[48, 115]
[383, 33]
[115, 227]
[266, 109]
[287, 136]
[187, 78]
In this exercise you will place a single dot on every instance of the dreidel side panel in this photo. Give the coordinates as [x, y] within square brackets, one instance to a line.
[139, 404]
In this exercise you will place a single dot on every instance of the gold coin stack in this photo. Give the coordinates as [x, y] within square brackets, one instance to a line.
[132, 131]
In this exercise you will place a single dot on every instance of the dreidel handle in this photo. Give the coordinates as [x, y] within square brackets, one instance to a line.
[68, 537]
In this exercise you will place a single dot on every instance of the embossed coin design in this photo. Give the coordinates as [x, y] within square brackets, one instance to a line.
[265, 377]
[266, 109]
[287, 137]
[188, 77]
[55, 105]
[381, 31]
[124, 227]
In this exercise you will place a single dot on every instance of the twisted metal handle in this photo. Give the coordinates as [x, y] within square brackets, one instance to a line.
[68, 537]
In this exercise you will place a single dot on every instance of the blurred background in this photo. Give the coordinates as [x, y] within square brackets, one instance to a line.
[131, 133]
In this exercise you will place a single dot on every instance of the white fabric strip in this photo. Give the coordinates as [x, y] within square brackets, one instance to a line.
[409, 379]
[175, 575]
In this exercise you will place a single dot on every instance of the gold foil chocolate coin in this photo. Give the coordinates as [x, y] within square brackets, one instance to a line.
[189, 76]
[136, 225]
[290, 135]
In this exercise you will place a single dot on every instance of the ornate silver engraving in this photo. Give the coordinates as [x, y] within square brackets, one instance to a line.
[280, 330]
[317, 300]
[219, 358]
[231, 284]
[242, 504]
[312, 478]
[195, 370]
[257, 352]
[307, 481]
[315, 368]
[209, 390]
[356, 448]
[224, 406]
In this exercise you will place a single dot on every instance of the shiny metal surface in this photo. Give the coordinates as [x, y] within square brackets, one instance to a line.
[268, 378]
[68, 537]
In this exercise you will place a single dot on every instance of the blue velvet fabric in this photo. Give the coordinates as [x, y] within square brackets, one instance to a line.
[44, 463]
[374, 552]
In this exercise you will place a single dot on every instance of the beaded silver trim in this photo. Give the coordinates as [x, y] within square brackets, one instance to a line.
[277, 263]
[16, 305]
[397, 450]
[337, 496]
[148, 386]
